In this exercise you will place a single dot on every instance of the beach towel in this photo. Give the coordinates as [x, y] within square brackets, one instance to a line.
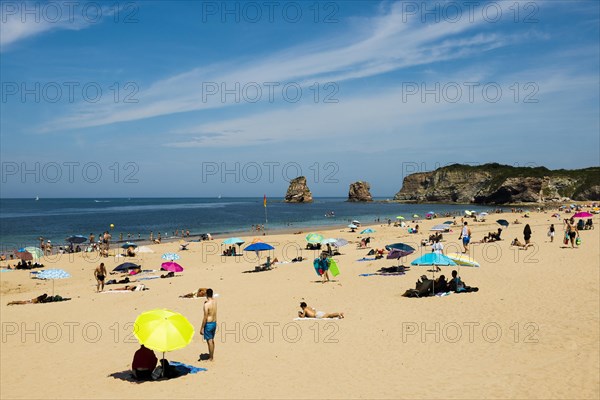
[384, 274]
[6, 270]
[301, 319]
[185, 369]
[147, 278]
[366, 259]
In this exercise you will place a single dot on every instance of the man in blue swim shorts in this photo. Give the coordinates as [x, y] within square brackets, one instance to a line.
[209, 323]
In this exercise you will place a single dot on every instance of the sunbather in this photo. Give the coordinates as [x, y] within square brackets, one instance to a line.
[200, 293]
[131, 288]
[309, 312]
[44, 298]
[516, 242]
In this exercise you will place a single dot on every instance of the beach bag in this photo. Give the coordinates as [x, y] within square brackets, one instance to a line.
[578, 241]
[566, 240]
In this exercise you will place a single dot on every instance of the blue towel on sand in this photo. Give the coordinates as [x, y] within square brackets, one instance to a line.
[185, 369]
[366, 259]
[148, 278]
[6, 270]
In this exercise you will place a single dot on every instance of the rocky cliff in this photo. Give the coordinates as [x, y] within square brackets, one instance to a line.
[500, 184]
[359, 191]
[298, 191]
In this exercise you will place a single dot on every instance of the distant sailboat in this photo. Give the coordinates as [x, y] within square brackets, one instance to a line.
[37, 198]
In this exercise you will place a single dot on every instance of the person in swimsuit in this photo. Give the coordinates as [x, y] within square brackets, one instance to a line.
[465, 234]
[572, 231]
[309, 312]
[100, 274]
[209, 323]
[200, 293]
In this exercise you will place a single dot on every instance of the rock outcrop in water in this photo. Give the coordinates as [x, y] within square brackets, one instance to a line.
[500, 184]
[359, 191]
[298, 191]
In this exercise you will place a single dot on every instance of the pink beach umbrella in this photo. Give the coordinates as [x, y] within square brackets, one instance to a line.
[171, 266]
[582, 214]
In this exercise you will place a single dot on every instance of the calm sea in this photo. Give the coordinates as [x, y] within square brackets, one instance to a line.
[22, 221]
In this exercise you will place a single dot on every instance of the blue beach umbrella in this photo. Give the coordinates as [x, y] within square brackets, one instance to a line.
[368, 230]
[259, 246]
[234, 240]
[128, 245]
[53, 274]
[433, 259]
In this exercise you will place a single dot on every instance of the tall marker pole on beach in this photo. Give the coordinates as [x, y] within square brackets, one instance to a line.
[265, 205]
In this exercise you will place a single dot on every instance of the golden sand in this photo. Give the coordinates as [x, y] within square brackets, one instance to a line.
[532, 330]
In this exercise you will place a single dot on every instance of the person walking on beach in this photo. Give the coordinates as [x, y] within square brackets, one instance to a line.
[100, 275]
[323, 264]
[551, 233]
[527, 233]
[465, 234]
[571, 231]
[209, 323]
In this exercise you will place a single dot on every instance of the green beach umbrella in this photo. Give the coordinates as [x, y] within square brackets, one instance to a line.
[314, 238]
[399, 217]
[35, 252]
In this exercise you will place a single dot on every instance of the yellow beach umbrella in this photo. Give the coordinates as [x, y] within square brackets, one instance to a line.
[463, 260]
[163, 330]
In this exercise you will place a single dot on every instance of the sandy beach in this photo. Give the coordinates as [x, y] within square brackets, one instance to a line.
[532, 330]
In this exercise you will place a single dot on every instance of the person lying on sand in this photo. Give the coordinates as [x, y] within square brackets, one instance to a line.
[131, 288]
[309, 312]
[170, 274]
[519, 244]
[200, 293]
[44, 298]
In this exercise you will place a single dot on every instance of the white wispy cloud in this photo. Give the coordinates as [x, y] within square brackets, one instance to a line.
[392, 41]
[23, 20]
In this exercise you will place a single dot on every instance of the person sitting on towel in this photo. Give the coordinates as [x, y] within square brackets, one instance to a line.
[309, 312]
[458, 286]
[144, 362]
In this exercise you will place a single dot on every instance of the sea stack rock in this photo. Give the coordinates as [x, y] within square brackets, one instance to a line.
[359, 191]
[298, 192]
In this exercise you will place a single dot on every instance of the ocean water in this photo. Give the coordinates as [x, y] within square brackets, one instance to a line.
[22, 221]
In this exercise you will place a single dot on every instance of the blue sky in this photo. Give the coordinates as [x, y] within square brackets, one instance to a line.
[186, 98]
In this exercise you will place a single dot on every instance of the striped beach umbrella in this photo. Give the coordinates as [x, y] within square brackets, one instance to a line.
[171, 256]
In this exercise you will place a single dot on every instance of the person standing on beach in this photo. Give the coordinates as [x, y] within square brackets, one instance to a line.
[209, 323]
[465, 234]
[551, 233]
[527, 233]
[571, 231]
[100, 275]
